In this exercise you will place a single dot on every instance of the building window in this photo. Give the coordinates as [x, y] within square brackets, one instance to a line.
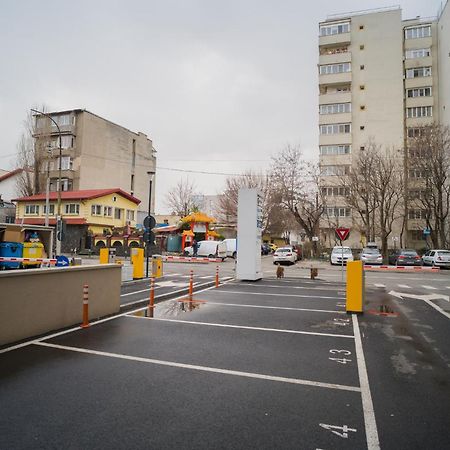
[418, 72]
[416, 235]
[331, 171]
[31, 210]
[336, 28]
[118, 213]
[417, 194]
[419, 111]
[107, 211]
[419, 92]
[335, 191]
[346, 88]
[415, 132]
[418, 214]
[130, 215]
[418, 32]
[333, 50]
[72, 208]
[96, 210]
[66, 184]
[335, 108]
[66, 163]
[334, 149]
[335, 128]
[417, 173]
[51, 210]
[67, 141]
[417, 53]
[328, 69]
[338, 212]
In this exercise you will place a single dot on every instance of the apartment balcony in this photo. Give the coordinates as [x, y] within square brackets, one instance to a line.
[335, 139]
[418, 62]
[335, 118]
[45, 131]
[425, 42]
[336, 78]
[419, 101]
[335, 58]
[342, 38]
[338, 97]
[416, 224]
[335, 160]
[65, 173]
[418, 82]
[419, 121]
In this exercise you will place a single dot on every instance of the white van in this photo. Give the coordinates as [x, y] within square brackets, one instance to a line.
[231, 247]
[211, 249]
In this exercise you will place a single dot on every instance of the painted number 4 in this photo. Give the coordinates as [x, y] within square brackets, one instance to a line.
[343, 433]
[340, 353]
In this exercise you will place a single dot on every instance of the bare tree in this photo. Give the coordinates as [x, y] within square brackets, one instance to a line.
[296, 183]
[429, 181]
[32, 156]
[181, 198]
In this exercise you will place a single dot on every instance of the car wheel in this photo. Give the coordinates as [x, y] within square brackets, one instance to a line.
[234, 255]
[186, 253]
[211, 255]
[433, 264]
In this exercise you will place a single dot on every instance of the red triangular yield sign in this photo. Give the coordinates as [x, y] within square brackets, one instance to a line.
[342, 233]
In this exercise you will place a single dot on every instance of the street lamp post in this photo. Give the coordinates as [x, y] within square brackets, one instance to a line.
[149, 246]
[58, 216]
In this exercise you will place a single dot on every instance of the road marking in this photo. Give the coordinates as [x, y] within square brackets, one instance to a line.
[425, 286]
[243, 327]
[276, 307]
[204, 368]
[404, 286]
[370, 423]
[379, 285]
[279, 295]
[137, 292]
[298, 287]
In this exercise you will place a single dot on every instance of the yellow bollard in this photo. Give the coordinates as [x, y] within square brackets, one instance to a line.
[138, 264]
[134, 252]
[355, 287]
[104, 256]
[157, 266]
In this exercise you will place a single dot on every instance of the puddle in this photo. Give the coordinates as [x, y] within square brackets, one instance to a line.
[171, 309]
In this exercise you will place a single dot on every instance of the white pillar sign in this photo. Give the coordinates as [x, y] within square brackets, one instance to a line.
[249, 232]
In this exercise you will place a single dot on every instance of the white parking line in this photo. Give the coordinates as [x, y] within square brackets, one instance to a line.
[370, 423]
[379, 285]
[279, 295]
[243, 327]
[277, 307]
[204, 368]
[404, 286]
[262, 286]
[425, 286]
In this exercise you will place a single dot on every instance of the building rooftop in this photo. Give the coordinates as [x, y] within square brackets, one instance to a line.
[85, 194]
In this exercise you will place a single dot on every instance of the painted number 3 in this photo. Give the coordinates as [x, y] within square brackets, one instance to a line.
[340, 353]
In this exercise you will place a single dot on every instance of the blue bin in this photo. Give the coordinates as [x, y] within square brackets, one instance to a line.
[11, 250]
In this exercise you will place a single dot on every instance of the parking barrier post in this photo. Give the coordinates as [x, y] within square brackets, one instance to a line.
[191, 285]
[85, 306]
[355, 287]
[217, 276]
[151, 305]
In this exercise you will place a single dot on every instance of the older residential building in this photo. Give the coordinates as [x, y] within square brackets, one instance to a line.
[380, 77]
[96, 153]
[85, 213]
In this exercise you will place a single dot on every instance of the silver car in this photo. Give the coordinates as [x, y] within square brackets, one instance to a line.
[438, 258]
[371, 256]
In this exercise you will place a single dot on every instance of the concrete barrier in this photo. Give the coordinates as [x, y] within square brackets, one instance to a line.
[37, 301]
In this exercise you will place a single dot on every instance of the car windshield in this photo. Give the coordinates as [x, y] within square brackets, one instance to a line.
[409, 253]
[371, 251]
[284, 250]
[341, 250]
[444, 253]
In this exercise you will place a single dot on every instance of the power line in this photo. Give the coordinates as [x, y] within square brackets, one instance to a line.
[207, 173]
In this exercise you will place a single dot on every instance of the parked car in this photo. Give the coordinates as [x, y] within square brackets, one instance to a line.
[284, 255]
[438, 258]
[211, 249]
[272, 246]
[341, 254]
[371, 256]
[231, 247]
[405, 257]
[265, 249]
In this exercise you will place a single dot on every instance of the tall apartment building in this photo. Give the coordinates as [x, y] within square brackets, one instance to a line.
[380, 77]
[96, 154]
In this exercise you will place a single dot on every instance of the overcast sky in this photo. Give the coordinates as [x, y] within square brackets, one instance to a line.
[219, 86]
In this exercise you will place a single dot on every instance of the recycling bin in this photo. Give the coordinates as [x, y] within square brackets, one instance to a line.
[11, 250]
[32, 250]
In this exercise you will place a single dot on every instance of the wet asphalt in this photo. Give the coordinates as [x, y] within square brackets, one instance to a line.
[270, 364]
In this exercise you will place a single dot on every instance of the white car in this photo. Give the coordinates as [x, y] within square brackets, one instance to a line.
[210, 249]
[341, 254]
[231, 247]
[284, 255]
[438, 258]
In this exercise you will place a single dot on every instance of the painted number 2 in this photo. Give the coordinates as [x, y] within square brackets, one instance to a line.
[343, 433]
[340, 353]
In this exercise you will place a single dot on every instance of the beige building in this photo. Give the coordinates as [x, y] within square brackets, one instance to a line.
[379, 78]
[96, 154]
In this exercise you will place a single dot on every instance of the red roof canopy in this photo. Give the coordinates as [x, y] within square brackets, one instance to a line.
[85, 194]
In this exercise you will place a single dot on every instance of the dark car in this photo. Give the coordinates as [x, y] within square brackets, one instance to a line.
[265, 249]
[405, 257]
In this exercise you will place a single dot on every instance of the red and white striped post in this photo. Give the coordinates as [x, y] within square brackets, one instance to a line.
[217, 276]
[151, 305]
[85, 306]
[191, 285]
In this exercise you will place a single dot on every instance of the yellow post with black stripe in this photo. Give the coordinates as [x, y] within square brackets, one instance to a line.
[355, 287]
[138, 264]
